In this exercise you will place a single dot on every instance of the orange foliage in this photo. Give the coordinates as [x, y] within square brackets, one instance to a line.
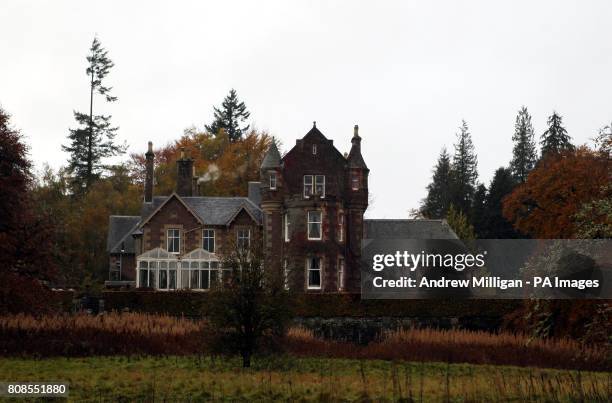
[225, 166]
[545, 205]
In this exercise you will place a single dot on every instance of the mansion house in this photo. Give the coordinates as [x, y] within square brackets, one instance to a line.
[307, 208]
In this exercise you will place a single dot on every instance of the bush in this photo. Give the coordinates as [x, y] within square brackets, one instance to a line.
[195, 304]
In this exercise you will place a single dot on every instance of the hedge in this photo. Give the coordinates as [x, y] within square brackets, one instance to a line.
[194, 304]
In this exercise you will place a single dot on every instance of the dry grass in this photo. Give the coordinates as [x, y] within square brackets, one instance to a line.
[82, 335]
[136, 334]
[458, 346]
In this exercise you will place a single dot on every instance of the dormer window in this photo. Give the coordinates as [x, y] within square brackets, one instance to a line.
[314, 149]
[272, 180]
[314, 185]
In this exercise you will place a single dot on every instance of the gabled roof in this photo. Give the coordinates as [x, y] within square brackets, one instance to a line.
[208, 210]
[119, 227]
[312, 134]
[162, 204]
[407, 229]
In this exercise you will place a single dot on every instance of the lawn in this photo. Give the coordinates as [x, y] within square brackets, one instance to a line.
[199, 378]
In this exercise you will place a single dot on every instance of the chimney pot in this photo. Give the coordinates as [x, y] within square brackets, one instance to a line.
[356, 131]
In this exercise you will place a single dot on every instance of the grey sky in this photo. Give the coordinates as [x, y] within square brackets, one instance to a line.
[406, 72]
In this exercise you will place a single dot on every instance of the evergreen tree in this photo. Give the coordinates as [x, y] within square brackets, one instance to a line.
[555, 139]
[437, 202]
[464, 171]
[524, 152]
[478, 210]
[229, 117]
[94, 139]
[460, 224]
[496, 226]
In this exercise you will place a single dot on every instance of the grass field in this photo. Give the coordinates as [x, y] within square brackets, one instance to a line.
[285, 378]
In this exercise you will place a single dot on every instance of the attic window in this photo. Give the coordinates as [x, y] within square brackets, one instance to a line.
[314, 149]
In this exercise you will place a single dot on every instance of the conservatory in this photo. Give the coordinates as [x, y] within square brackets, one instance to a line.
[162, 270]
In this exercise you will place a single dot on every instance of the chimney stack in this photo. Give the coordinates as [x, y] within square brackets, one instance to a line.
[184, 179]
[148, 189]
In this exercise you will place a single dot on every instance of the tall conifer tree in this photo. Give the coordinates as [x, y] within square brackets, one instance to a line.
[437, 202]
[497, 227]
[95, 138]
[232, 114]
[478, 210]
[524, 152]
[464, 170]
[555, 139]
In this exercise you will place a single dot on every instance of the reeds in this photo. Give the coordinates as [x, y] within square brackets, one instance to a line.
[457, 346]
[136, 334]
[82, 335]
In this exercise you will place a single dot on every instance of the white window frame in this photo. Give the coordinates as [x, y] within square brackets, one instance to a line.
[307, 194]
[286, 227]
[316, 183]
[314, 149]
[309, 268]
[286, 274]
[273, 180]
[208, 230]
[320, 222]
[239, 237]
[168, 237]
[341, 220]
[341, 273]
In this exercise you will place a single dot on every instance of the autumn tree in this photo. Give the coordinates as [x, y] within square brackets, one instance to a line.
[94, 139]
[230, 117]
[224, 168]
[437, 201]
[545, 206]
[555, 139]
[464, 172]
[81, 224]
[524, 151]
[25, 241]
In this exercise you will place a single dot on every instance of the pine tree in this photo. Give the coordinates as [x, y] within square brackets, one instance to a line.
[94, 139]
[464, 171]
[497, 227]
[478, 210]
[555, 139]
[229, 117]
[437, 202]
[524, 153]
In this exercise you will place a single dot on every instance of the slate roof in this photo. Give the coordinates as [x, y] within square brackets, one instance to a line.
[407, 229]
[210, 210]
[118, 229]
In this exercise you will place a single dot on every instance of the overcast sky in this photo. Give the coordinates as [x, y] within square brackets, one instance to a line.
[407, 72]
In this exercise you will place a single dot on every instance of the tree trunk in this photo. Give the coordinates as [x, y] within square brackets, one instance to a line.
[246, 358]
[90, 139]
